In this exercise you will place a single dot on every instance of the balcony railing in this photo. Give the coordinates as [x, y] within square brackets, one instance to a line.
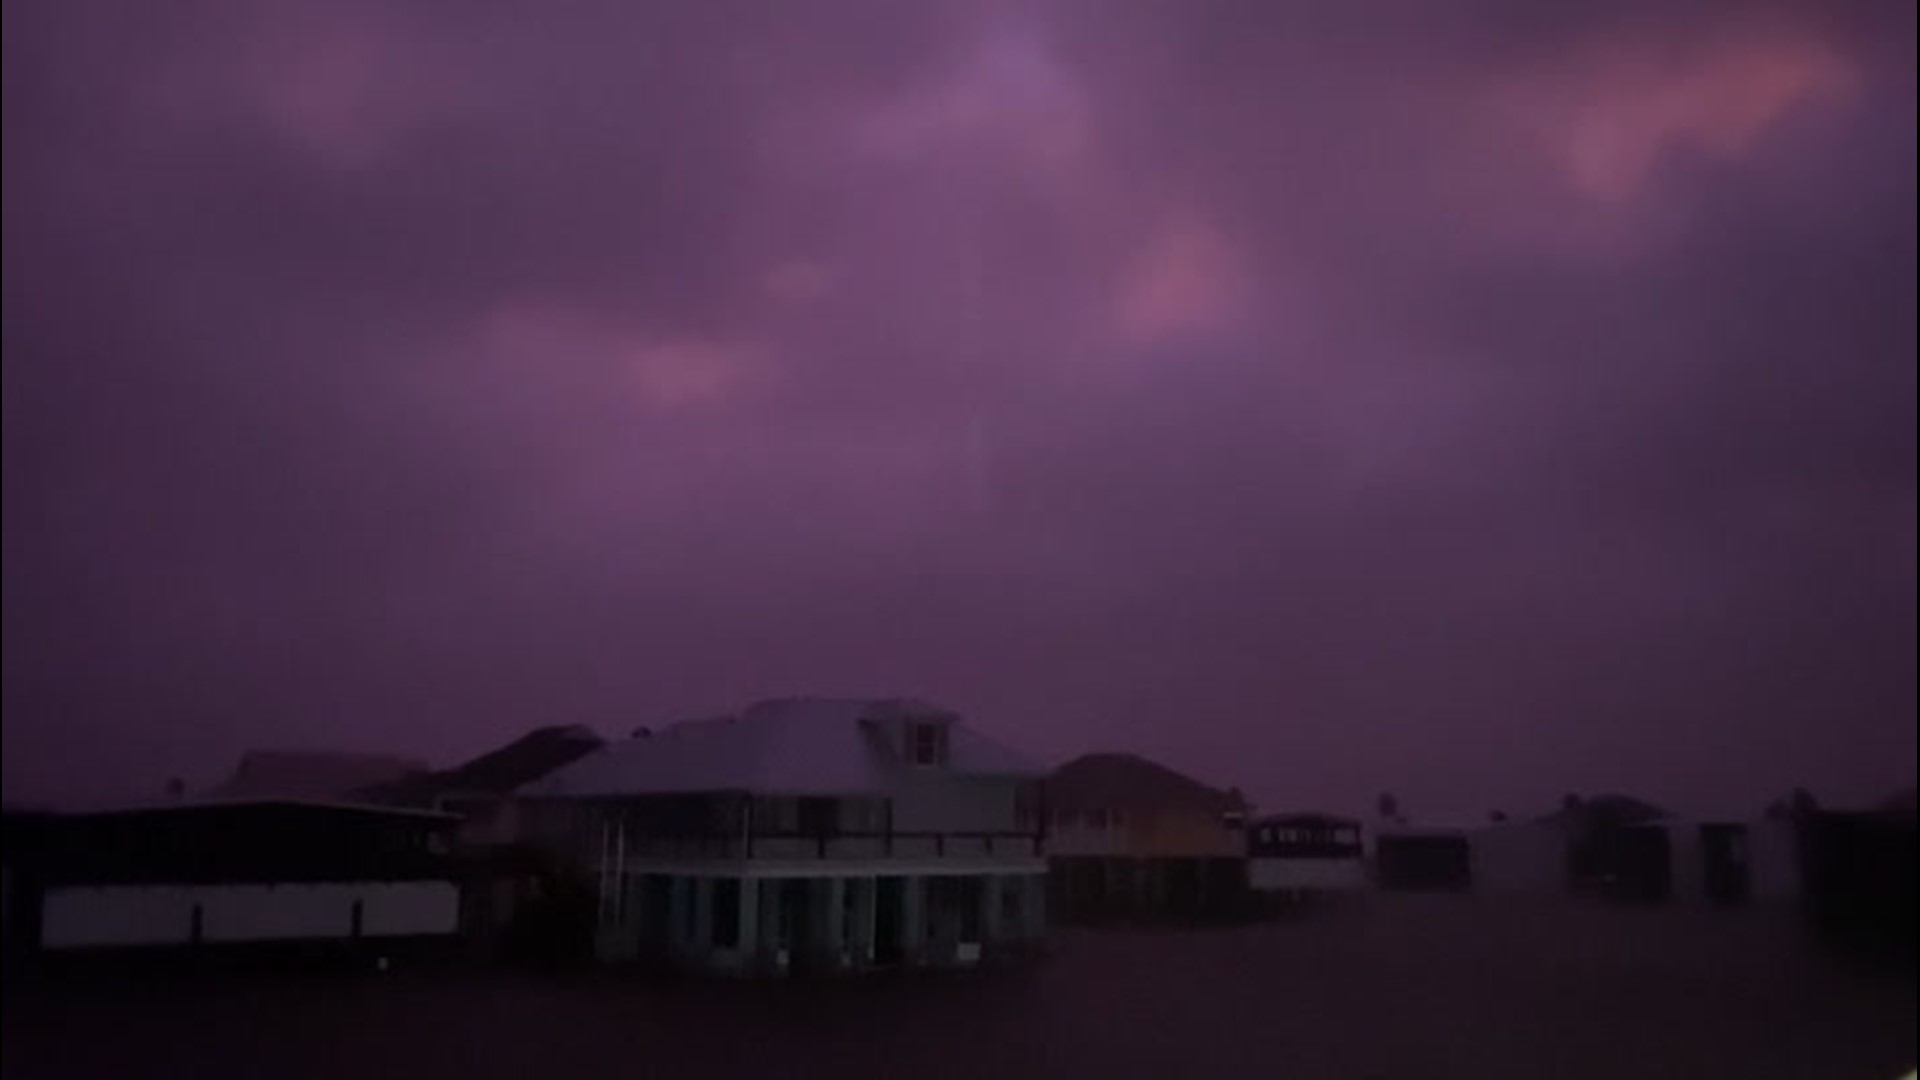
[839, 845]
[1306, 849]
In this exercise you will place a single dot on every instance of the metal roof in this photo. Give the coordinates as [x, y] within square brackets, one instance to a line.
[794, 746]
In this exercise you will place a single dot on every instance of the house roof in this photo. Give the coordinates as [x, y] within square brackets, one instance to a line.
[310, 774]
[498, 771]
[229, 807]
[1118, 781]
[1608, 810]
[794, 746]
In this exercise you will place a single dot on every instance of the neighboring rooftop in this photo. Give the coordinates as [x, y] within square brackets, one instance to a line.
[1129, 782]
[497, 772]
[792, 746]
[310, 774]
[1608, 810]
[207, 808]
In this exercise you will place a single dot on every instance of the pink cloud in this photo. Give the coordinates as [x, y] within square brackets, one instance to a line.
[664, 371]
[1607, 122]
[1011, 97]
[1187, 280]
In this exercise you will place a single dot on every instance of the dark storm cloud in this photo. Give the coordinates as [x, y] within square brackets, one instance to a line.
[1477, 400]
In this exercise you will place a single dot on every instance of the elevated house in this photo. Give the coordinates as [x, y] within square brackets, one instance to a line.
[1305, 856]
[803, 835]
[1128, 837]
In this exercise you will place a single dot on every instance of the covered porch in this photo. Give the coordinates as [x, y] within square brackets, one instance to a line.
[773, 923]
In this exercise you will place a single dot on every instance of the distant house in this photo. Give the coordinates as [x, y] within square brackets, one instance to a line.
[1128, 837]
[310, 774]
[803, 835]
[480, 790]
[1303, 856]
[1619, 847]
[500, 876]
[237, 873]
[1624, 849]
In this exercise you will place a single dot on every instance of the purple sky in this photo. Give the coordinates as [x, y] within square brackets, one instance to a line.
[1477, 400]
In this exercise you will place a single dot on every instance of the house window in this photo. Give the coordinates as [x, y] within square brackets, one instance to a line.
[1066, 819]
[726, 913]
[1097, 819]
[929, 744]
[862, 816]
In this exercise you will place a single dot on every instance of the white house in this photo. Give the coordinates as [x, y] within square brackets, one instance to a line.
[804, 834]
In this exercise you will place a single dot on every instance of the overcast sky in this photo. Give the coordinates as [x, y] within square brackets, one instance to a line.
[1479, 400]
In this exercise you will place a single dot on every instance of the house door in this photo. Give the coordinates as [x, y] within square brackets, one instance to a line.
[797, 918]
[890, 897]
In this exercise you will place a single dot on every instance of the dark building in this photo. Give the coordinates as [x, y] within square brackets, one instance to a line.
[507, 885]
[1859, 879]
[1618, 847]
[252, 874]
[1423, 861]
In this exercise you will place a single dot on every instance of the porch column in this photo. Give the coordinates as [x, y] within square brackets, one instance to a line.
[702, 916]
[1033, 913]
[771, 940]
[832, 895]
[865, 913]
[749, 919]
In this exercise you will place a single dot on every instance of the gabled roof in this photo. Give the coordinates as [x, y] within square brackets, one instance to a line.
[311, 774]
[1117, 781]
[794, 746]
[497, 771]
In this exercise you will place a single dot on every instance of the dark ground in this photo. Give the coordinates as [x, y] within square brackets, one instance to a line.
[1412, 987]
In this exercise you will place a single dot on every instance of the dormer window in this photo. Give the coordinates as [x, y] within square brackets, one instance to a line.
[928, 744]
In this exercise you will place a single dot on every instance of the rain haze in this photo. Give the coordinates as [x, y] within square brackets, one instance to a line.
[1478, 401]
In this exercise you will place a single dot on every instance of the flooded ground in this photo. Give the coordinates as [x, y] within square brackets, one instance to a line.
[1441, 987]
